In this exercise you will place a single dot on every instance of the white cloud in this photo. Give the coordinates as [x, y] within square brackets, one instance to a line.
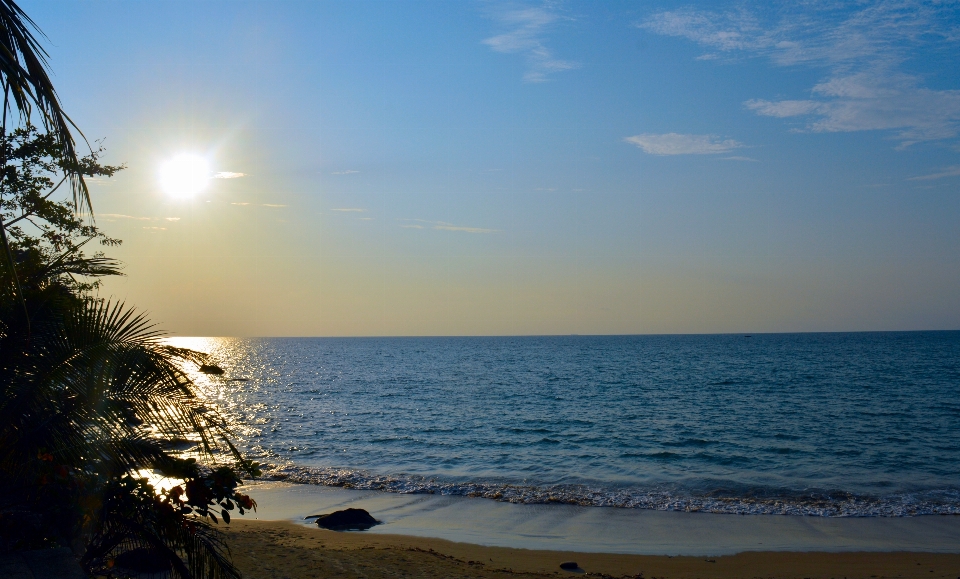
[172, 218]
[863, 47]
[952, 171]
[525, 33]
[412, 226]
[782, 108]
[347, 172]
[239, 204]
[273, 205]
[349, 209]
[737, 158]
[677, 144]
[228, 175]
[155, 228]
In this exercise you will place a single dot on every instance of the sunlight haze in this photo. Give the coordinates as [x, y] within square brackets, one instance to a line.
[495, 168]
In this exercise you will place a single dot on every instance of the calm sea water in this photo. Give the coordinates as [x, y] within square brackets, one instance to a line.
[859, 424]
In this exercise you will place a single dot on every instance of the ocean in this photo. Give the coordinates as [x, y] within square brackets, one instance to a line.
[831, 424]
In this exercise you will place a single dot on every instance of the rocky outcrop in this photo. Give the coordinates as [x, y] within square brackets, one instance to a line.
[211, 369]
[346, 520]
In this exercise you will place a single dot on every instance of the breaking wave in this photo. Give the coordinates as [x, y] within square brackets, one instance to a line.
[751, 502]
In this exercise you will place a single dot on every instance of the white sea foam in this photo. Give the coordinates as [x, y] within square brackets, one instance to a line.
[943, 502]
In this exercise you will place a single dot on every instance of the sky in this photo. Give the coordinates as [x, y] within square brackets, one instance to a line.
[500, 168]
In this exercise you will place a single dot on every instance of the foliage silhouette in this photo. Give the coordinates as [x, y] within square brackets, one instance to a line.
[90, 395]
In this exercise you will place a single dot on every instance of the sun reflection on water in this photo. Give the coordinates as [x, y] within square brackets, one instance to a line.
[214, 391]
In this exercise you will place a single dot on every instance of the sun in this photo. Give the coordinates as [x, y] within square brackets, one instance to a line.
[185, 175]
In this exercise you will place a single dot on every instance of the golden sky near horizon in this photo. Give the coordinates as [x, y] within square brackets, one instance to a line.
[375, 168]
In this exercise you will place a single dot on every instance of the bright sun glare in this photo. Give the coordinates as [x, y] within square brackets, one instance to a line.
[184, 175]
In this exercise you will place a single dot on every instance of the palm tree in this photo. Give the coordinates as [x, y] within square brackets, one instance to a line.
[24, 77]
[89, 393]
[94, 398]
[90, 398]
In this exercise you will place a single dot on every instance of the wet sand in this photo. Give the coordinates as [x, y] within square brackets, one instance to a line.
[607, 529]
[441, 536]
[281, 549]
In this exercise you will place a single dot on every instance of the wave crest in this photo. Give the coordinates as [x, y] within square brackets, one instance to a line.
[820, 504]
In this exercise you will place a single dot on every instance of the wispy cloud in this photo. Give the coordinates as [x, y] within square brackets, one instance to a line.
[273, 205]
[465, 229]
[525, 32]
[228, 175]
[238, 203]
[782, 108]
[677, 144]
[738, 158]
[349, 209]
[155, 228]
[863, 47]
[172, 218]
[110, 216]
[347, 172]
[952, 171]
[444, 226]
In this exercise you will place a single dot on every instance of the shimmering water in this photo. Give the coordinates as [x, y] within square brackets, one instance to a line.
[822, 424]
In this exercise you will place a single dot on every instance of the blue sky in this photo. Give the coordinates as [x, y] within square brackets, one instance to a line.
[411, 168]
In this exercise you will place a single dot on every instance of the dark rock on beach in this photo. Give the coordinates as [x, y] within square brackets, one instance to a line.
[347, 520]
[211, 369]
[569, 565]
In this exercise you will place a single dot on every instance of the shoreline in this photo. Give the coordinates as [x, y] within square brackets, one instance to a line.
[812, 502]
[609, 530]
[271, 549]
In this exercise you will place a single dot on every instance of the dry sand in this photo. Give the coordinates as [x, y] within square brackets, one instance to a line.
[278, 549]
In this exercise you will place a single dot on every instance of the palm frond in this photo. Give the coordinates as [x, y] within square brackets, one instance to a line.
[23, 65]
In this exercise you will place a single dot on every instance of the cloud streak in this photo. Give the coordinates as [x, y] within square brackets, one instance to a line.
[863, 50]
[347, 172]
[952, 171]
[349, 210]
[228, 175]
[677, 144]
[444, 226]
[464, 229]
[525, 34]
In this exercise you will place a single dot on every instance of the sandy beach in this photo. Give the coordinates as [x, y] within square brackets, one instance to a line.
[430, 536]
[280, 549]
